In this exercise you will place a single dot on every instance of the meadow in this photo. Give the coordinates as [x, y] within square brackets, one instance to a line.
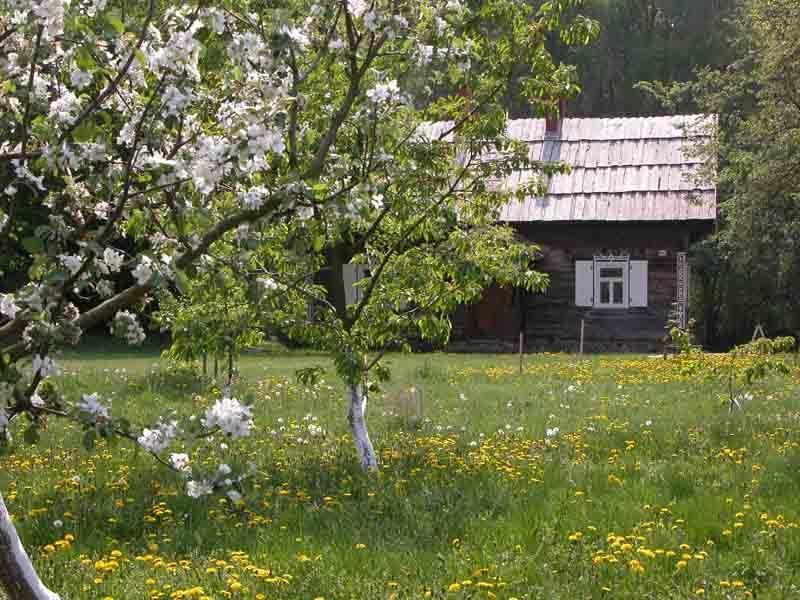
[614, 477]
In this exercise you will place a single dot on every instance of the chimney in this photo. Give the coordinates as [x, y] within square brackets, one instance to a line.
[553, 123]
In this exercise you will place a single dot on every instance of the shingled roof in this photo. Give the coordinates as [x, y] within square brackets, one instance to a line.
[624, 169]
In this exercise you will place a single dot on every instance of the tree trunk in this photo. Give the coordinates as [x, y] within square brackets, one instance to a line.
[358, 426]
[17, 575]
[230, 367]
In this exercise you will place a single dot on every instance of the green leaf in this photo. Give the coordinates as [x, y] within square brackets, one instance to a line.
[33, 245]
[116, 23]
[142, 58]
[85, 132]
[84, 59]
[31, 435]
[182, 282]
[89, 439]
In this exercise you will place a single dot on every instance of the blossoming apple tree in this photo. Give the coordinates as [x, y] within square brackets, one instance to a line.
[281, 140]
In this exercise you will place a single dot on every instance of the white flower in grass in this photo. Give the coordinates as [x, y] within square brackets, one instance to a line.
[551, 432]
[58, 523]
[224, 469]
[235, 496]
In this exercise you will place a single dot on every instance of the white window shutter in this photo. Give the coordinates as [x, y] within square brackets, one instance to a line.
[349, 275]
[584, 283]
[637, 283]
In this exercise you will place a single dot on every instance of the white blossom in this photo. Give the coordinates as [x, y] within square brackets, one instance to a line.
[454, 5]
[8, 306]
[268, 284]
[551, 432]
[91, 405]
[357, 7]
[44, 365]
[65, 107]
[127, 132]
[101, 210]
[72, 262]
[180, 461]
[180, 54]
[371, 20]
[158, 439]
[261, 139]
[125, 325]
[297, 35]
[80, 79]
[209, 162]
[51, 15]
[176, 100]
[113, 259]
[253, 199]
[234, 496]
[232, 417]
[384, 92]
[143, 271]
[95, 7]
[216, 19]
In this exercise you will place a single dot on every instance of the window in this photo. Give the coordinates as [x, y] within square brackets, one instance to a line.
[611, 282]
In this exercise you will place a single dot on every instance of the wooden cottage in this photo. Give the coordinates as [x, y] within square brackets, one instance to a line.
[614, 234]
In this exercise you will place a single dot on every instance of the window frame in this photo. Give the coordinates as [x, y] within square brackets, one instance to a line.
[611, 262]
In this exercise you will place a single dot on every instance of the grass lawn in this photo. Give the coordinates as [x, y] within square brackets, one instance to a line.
[647, 487]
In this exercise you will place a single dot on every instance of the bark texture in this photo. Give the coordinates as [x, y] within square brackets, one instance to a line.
[358, 426]
[17, 576]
